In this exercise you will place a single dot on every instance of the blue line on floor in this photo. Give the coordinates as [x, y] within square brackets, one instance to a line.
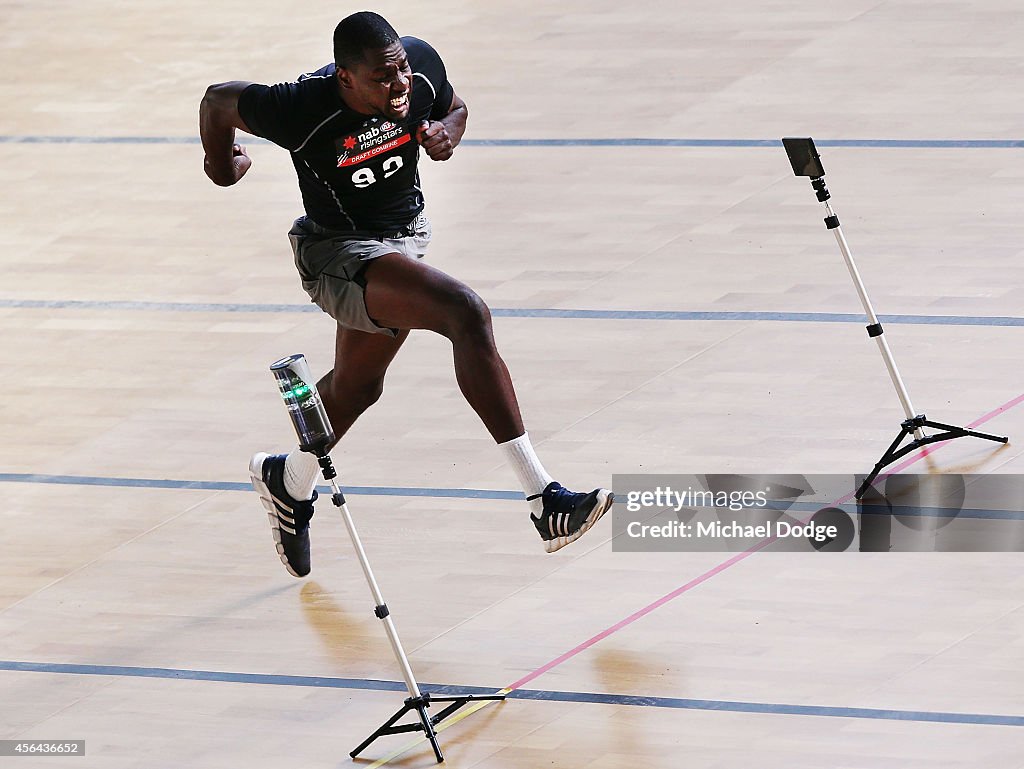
[678, 703]
[164, 483]
[525, 312]
[798, 317]
[566, 142]
[494, 494]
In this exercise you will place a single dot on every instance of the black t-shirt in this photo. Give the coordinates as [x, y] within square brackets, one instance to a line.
[355, 173]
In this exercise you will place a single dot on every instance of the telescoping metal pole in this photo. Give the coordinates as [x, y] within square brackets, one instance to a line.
[381, 609]
[875, 328]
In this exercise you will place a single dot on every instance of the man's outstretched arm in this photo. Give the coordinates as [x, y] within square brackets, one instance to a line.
[226, 162]
[440, 137]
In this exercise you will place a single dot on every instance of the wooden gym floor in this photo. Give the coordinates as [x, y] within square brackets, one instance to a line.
[142, 608]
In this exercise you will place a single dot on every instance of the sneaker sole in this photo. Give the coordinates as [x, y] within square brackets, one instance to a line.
[605, 499]
[256, 476]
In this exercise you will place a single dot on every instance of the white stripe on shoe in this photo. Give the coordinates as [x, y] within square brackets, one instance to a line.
[601, 506]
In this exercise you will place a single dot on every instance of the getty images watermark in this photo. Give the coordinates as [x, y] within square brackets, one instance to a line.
[733, 513]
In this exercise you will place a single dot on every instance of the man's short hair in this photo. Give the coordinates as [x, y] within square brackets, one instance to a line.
[358, 33]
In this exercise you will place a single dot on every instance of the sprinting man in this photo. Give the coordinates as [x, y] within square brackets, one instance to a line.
[354, 129]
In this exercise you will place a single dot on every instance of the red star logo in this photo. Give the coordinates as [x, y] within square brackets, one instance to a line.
[349, 142]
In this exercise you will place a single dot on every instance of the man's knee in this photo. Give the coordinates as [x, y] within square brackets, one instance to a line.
[466, 314]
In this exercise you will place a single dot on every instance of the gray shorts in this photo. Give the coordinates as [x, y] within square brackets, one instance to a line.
[331, 265]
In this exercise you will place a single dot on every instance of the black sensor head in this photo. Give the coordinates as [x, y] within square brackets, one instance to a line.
[803, 157]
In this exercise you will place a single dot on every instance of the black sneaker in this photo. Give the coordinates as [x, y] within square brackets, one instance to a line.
[289, 518]
[567, 515]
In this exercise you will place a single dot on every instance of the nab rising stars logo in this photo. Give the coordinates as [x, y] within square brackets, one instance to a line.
[373, 139]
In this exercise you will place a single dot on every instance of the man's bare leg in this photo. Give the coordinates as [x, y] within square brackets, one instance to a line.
[360, 362]
[354, 384]
[402, 293]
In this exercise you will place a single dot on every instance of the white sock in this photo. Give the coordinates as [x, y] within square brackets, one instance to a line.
[300, 473]
[531, 473]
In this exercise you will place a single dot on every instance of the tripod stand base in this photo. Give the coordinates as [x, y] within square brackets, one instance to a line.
[426, 723]
[909, 427]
